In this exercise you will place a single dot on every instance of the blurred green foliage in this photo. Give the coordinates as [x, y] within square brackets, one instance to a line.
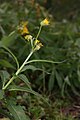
[61, 42]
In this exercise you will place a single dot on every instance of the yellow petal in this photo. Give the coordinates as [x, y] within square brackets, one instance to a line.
[36, 42]
[38, 46]
[45, 22]
[28, 37]
[22, 28]
[24, 31]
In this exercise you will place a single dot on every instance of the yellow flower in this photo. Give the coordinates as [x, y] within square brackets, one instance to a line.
[22, 28]
[24, 31]
[45, 22]
[37, 44]
[28, 37]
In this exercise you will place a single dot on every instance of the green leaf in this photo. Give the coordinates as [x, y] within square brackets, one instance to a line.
[67, 80]
[78, 73]
[6, 114]
[17, 88]
[8, 40]
[59, 79]
[6, 64]
[1, 94]
[4, 76]
[51, 80]
[14, 57]
[28, 90]
[25, 79]
[17, 111]
[31, 67]
[63, 89]
[77, 42]
[76, 92]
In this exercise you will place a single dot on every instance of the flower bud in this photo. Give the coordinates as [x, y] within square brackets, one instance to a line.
[45, 22]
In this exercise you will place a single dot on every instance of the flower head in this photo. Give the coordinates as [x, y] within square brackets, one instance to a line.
[28, 37]
[37, 44]
[24, 31]
[45, 22]
[22, 28]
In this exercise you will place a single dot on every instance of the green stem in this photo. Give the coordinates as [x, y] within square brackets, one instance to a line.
[18, 71]
[46, 61]
[39, 32]
[8, 83]
[32, 44]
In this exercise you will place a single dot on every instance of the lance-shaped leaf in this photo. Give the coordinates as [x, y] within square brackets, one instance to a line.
[16, 111]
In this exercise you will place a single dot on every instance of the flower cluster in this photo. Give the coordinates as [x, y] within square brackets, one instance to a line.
[23, 30]
[35, 45]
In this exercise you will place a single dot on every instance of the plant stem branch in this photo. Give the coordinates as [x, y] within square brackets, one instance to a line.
[39, 32]
[18, 71]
